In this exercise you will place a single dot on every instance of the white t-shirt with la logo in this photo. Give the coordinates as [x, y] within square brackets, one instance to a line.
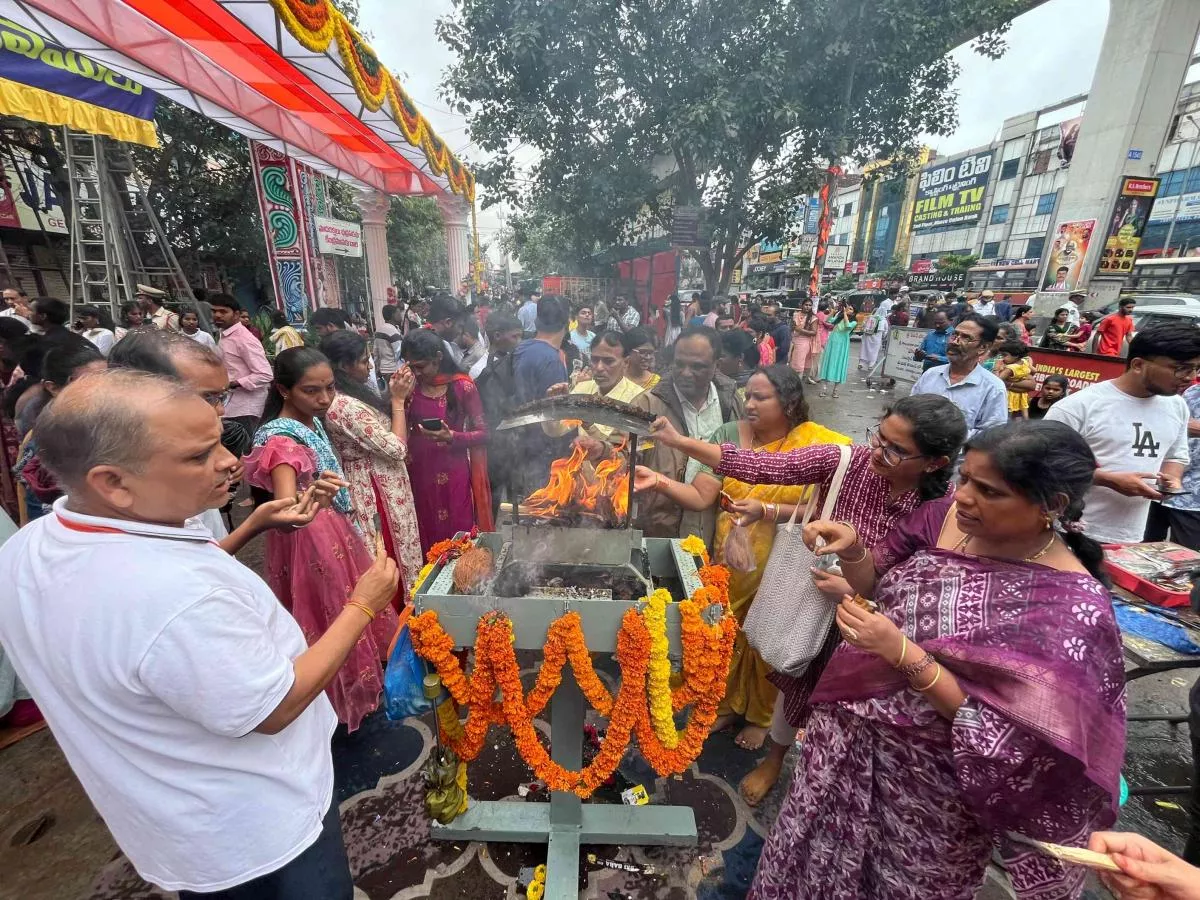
[1127, 434]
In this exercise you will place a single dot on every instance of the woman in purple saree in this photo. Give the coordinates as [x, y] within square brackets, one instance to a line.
[985, 697]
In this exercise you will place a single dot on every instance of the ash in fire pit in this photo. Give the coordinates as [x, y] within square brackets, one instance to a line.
[567, 581]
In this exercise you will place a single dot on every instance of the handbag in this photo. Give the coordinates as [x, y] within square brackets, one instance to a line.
[789, 619]
[404, 680]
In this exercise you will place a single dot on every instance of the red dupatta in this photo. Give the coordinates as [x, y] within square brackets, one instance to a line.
[481, 486]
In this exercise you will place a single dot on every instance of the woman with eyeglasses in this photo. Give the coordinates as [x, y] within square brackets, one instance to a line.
[983, 696]
[907, 461]
[640, 350]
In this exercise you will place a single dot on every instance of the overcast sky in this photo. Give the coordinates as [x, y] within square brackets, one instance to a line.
[1052, 53]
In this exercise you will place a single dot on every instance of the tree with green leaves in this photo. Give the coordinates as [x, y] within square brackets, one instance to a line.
[956, 263]
[200, 185]
[417, 243]
[634, 107]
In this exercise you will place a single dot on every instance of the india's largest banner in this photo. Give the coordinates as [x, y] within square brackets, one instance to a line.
[952, 192]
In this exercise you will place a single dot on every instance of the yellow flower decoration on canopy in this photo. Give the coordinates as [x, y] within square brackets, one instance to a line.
[316, 24]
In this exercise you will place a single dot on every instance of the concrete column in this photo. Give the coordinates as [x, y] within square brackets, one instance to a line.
[455, 217]
[1143, 61]
[374, 207]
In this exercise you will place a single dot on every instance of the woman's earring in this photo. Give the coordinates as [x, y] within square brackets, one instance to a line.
[1048, 522]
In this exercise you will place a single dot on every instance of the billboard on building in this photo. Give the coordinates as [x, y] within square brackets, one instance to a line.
[1180, 208]
[952, 192]
[27, 196]
[1131, 213]
[1064, 262]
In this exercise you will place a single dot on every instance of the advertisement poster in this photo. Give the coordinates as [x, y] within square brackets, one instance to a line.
[899, 362]
[1068, 136]
[951, 193]
[1131, 213]
[1081, 369]
[24, 189]
[1064, 266]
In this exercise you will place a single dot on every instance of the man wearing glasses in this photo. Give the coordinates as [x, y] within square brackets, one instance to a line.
[1137, 426]
[979, 394]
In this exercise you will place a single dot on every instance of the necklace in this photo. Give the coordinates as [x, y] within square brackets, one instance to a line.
[962, 546]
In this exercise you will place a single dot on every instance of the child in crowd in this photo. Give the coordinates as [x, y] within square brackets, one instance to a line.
[1054, 388]
[1012, 367]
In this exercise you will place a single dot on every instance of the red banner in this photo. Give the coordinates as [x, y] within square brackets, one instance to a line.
[1082, 369]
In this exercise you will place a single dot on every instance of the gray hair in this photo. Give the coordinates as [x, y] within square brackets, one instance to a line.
[101, 421]
[154, 350]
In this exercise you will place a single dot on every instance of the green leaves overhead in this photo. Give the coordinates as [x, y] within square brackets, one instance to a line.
[628, 107]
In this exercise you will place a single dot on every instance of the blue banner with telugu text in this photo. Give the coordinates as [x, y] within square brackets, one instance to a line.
[28, 58]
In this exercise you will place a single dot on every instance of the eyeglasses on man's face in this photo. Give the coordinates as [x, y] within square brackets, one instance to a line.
[216, 399]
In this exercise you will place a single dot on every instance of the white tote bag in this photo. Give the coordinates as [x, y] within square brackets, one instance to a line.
[789, 618]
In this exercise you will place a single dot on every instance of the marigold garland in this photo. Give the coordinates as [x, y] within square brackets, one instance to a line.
[645, 702]
[658, 685]
[695, 545]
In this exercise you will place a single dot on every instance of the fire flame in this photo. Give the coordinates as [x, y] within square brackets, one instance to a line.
[572, 486]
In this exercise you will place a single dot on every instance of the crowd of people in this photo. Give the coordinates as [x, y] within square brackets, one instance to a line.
[970, 685]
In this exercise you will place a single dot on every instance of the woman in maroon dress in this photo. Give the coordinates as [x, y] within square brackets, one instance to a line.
[448, 463]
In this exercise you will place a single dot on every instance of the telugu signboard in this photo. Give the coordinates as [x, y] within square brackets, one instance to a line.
[1131, 213]
[952, 192]
[338, 238]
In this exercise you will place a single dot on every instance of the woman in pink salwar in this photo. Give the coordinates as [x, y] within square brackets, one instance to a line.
[449, 463]
[313, 570]
[370, 436]
[986, 697]
[804, 336]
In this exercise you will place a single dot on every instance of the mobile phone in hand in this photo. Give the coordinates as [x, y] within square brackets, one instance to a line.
[432, 424]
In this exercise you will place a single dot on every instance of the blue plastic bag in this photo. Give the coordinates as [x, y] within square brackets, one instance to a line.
[404, 681]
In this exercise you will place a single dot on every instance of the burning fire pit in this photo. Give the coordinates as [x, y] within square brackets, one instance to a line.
[545, 566]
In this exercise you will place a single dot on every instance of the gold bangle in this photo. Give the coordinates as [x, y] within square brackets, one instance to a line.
[865, 553]
[929, 687]
[358, 604]
[903, 651]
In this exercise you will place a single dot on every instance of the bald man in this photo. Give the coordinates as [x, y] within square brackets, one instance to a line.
[182, 694]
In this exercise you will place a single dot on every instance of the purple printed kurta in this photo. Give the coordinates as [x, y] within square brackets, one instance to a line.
[892, 800]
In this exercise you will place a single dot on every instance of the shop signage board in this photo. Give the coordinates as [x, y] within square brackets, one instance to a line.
[1131, 213]
[1181, 208]
[952, 192]
[934, 281]
[27, 193]
[837, 256]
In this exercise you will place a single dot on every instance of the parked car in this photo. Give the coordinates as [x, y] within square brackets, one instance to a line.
[1155, 300]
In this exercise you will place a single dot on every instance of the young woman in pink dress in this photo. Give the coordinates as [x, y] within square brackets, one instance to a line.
[818, 344]
[370, 436]
[448, 463]
[313, 569]
[804, 336]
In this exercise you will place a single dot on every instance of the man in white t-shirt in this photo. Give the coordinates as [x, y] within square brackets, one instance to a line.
[1136, 424]
[387, 344]
[185, 698]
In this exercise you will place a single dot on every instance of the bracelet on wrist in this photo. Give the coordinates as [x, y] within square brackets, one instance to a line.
[903, 651]
[929, 686]
[861, 556]
[358, 604]
[912, 669]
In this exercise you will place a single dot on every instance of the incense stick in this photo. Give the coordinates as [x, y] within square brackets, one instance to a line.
[1076, 856]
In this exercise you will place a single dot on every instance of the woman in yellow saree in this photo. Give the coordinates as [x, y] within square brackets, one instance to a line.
[776, 421]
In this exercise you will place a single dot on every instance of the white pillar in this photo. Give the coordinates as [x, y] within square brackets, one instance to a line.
[455, 215]
[1143, 61]
[374, 207]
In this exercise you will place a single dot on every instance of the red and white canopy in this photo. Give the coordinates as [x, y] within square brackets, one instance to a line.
[293, 74]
